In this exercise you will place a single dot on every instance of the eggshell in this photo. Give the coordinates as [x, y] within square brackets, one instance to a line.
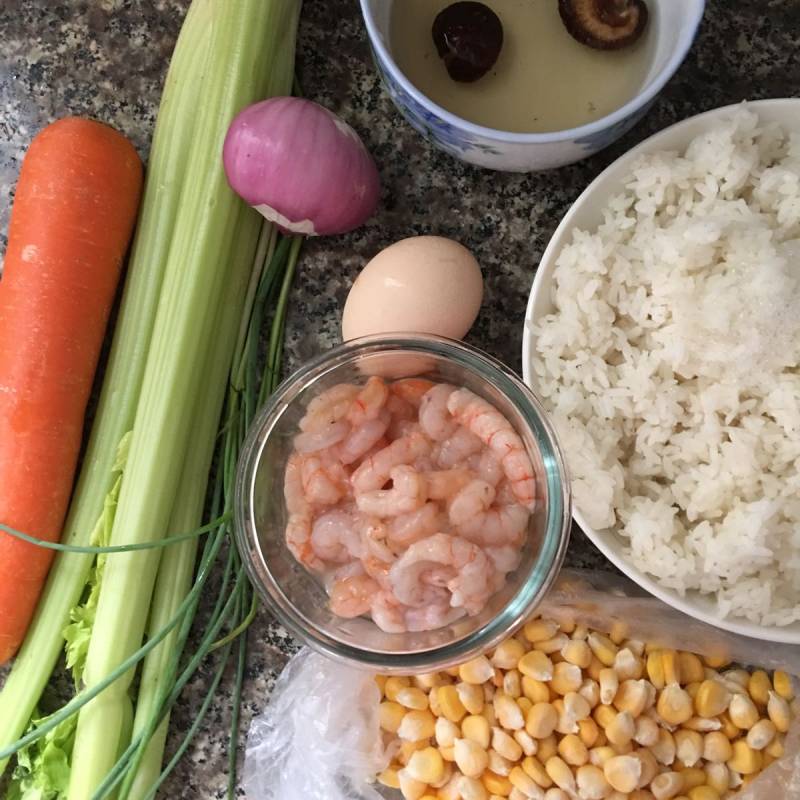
[425, 284]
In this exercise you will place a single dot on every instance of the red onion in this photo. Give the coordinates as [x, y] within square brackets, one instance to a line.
[301, 166]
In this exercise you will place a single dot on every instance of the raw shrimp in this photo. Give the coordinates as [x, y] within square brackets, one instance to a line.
[324, 479]
[470, 586]
[409, 491]
[374, 472]
[361, 439]
[298, 540]
[496, 432]
[293, 493]
[436, 421]
[486, 466]
[374, 537]
[411, 389]
[470, 502]
[499, 525]
[446, 483]
[387, 613]
[335, 537]
[321, 439]
[430, 617]
[456, 449]
[328, 407]
[369, 402]
[354, 596]
[378, 570]
[505, 559]
[406, 529]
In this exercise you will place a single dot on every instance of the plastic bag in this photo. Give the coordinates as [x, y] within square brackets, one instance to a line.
[319, 737]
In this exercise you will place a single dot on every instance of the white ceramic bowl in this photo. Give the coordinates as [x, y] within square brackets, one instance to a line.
[672, 28]
[586, 213]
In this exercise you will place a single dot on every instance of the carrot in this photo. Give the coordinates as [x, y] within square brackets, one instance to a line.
[74, 211]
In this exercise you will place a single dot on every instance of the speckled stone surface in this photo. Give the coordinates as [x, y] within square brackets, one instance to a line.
[107, 59]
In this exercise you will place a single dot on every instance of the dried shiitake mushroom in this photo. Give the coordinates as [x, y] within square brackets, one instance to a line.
[468, 37]
[604, 24]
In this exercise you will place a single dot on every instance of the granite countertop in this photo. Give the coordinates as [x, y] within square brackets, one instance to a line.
[107, 59]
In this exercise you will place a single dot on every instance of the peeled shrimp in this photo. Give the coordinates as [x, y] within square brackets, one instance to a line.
[456, 449]
[328, 407]
[298, 527]
[335, 537]
[474, 499]
[486, 466]
[320, 439]
[408, 528]
[471, 584]
[361, 439]
[411, 389]
[387, 613]
[505, 559]
[351, 597]
[430, 617]
[409, 491]
[324, 480]
[374, 536]
[369, 402]
[499, 525]
[374, 472]
[496, 432]
[435, 420]
[446, 483]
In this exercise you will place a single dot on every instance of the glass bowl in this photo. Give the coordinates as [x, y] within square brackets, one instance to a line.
[298, 598]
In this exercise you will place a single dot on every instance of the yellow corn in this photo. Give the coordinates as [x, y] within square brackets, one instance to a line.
[446, 732]
[433, 699]
[471, 789]
[604, 715]
[476, 728]
[577, 652]
[471, 697]
[498, 764]
[783, 684]
[588, 731]
[526, 742]
[664, 748]
[619, 631]
[621, 729]
[743, 712]
[666, 785]
[560, 774]
[573, 750]
[688, 747]
[533, 767]
[548, 747]
[417, 725]
[552, 646]
[627, 665]
[778, 711]
[537, 665]
[450, 703]
[599, 755]
[761, 734]
[595, 667]
[775, 748]
[655, 669]
[505, 745]
[591, 782]
[718, 659]
[703, 724]
[758, 686]
[704, 792]
[426, 766]
[488, 712]
[512, 684]
[609, 685]
[427, 680]
[507, 654]
[555, 793]
[566, 678]
[470, 757]
[671, 666]
[389, 778]
[538, 630]
[691, 667]
[535, 691]
[393, 685]
[565, 724]
[603, 648]
[411, 788]
[674, 705]
[390, 715]
[497, 679]
[632, 697]
[736, 679]
[522, 781]
[411, 697]
[718, 777]
[508, 713]
[496, 784]
[745, 760]
[408, 748]
[646, 732]
[448, 753]
[524, 704]
[576, 707]
[623, 773]
[717, 747]
[590, 691]
[728, 728]
[476, 671]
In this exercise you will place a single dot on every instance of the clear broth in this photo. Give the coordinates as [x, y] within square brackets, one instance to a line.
[543, 80]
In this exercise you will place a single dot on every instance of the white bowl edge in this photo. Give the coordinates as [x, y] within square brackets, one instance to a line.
[585, 213]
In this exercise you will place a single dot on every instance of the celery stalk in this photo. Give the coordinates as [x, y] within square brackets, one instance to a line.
[251, 41]
[121, 386]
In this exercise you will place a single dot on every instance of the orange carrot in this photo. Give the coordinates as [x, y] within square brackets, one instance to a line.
[72, 219]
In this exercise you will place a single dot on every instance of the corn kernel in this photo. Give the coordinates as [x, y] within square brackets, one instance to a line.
[524, 704]
[488, 712]
[619, 631]
[603, 648]
[704, 792]
[516, 794]
[390, 715]
[512, 684]
[496, 784]
[636, 646]
[433, 700]
[417, 725]
[577, 652]
[536, 665]
[718, 777]
[389, 778]
[664, 748]
[646, 732]
[552, 646]
[691, 667]
[623, 772]
[522, 781]
[428, 680]
[476, 671]
[743, 712]
[450, 703]
[426, 765]
[576, 707]
[411, 788]
[590, 691]
[595, 668]
[411, 697]
[703, 724]
[498, 764]
[533, 767]
[591, 782]
[666, 785]
[448, 753]
[758, 686]
[718, 659]
[778, 711]
[655, 669]
[507, 654]
[538, 630]
[627, 665]
[470, 757]
[471, 789]
[497, 679]
[588, 732]
[672, 667]
[632, 697]
[560, 774]
[674, 705]
[692, 776]
[505, 745]
[693, 688]
[447, 774]
[688, 746]
[535, 691]
[476, 728]
[548, 747]
[565, 724]
[739, 678]
[775, 748]
[761, 734]
[542, 720]
[717, 747]
[554, 793]
[508, 713]
[599, 755]
[566, 678]
[650, 767]
[728, 728]
[471, 697]
[573, 750]
[745, 760]
[604, 715]
[526, 742]
[621, 729]
[393, 685]
[609, 685]
[783, 684]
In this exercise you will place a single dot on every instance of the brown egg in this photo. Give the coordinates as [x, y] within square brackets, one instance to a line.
[425, 284]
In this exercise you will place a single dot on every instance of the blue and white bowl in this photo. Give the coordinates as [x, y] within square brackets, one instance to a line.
[673, 25]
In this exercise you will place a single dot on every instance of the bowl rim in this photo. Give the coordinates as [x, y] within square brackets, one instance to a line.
[541, 283]
[637, 102]
[519, 605]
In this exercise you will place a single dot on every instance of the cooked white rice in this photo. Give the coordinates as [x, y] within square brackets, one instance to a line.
[671, 368]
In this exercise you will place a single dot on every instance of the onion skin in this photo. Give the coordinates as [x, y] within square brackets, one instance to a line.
[301, 167]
